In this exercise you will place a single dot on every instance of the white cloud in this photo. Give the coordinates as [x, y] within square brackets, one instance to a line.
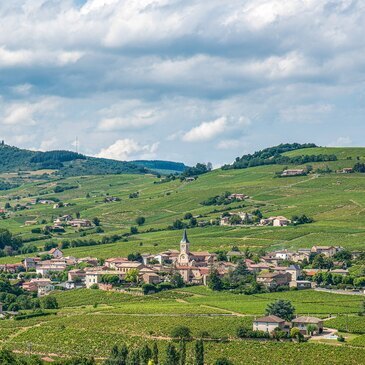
[206, 130]
[312, 113]
[227, 144]
[128, 149]
[25, 114]
[341, 142]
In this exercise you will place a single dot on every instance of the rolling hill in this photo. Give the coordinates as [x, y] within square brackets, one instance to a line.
[67, 163]
[334, 200]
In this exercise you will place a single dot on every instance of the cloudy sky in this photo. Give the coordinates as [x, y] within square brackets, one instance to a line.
[184, 80]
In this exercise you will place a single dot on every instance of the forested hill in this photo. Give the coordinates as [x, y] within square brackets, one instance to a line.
[162, 165]
[68, 163]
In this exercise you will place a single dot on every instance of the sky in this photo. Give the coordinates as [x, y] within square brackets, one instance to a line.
[182, 80]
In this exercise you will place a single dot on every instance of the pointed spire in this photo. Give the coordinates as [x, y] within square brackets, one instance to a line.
[185, 237]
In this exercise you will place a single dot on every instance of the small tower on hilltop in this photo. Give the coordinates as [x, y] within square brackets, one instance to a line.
[184, 256]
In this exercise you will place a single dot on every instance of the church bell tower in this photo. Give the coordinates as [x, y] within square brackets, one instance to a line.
[183, 258]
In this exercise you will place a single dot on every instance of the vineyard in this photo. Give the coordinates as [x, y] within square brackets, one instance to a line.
[90, 322]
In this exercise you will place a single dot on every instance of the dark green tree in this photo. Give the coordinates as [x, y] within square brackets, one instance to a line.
[172, 357]
[214, 280]
[199, 352]
[281, 308]
[155, 353]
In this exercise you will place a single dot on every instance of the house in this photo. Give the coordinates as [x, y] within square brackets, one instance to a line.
[76, 274]
[280, 221]
[235, 255]
[151, 278]
[113, 261]
[124, 267]
[237, 196]
[268, 323]
[29, 263]
[94, 276]
[327, 251]
[43, 268]
[274, 279]
[301, 284]
[303, 322]
[293, 172]
[340, 272]
[10, 268]
[190, 179]
[42, 286]
[45, 201]
[55, 252]
[294, 271]
[284, 254]
[80, 223]
[92, 261]
[346, 170]
[301, 254]
[30, 223]
[63, 219]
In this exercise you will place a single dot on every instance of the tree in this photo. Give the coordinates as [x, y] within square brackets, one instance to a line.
[188, 216]
[133, 358]
[172, 357]
[140, 221]
[49, 302]
[134, 230]
[155, 353]
[223, 361]
[182, 353]
[132, 276]
[178, 224]
[281, 308]
[177, 280]
[96, 221]
[296, 334]
[181, 333]
[145, 355]
[199, 352]
[311, 328]
[78, 215]
[214, 280]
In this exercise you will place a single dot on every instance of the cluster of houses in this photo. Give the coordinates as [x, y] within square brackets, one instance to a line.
[272, 323]
[293, 172]
[278, 221]
[68, 220]
[194, 267]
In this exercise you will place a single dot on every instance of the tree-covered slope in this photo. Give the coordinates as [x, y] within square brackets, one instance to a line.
[68, 163]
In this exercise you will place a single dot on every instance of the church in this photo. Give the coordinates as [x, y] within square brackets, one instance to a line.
[191, 259]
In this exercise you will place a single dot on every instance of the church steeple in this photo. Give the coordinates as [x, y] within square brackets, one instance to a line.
[185, 237]
[184, 256]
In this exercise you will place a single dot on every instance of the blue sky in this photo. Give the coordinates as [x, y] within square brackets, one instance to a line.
[184, 80]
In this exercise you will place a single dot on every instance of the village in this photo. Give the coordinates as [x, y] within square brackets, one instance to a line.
[277, 270]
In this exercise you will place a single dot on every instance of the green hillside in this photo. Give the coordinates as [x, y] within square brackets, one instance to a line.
[335, 201]
[67, 163]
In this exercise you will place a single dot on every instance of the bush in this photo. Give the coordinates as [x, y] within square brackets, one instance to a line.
[181, 332]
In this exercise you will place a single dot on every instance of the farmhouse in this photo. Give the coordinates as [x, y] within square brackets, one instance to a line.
[80, 223]
[293, 172]
[303, 322]
[237, 196]
[274, 279]
[56, 253]
[268, 323]
[328, 251]
[301, 284]
[279, 221]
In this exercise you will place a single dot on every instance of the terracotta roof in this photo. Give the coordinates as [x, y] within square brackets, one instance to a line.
[271, 319]
[306, 319]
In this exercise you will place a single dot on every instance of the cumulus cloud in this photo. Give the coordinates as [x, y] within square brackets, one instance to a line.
[182, 71]
[206, 130]
[128, 149]
[25, 114]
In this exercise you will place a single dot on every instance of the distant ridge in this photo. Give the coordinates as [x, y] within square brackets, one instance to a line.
[68, 163]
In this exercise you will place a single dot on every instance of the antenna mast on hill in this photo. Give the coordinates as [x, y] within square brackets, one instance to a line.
[77, 144]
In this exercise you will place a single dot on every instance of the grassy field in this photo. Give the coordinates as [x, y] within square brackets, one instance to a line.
[335, 201]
